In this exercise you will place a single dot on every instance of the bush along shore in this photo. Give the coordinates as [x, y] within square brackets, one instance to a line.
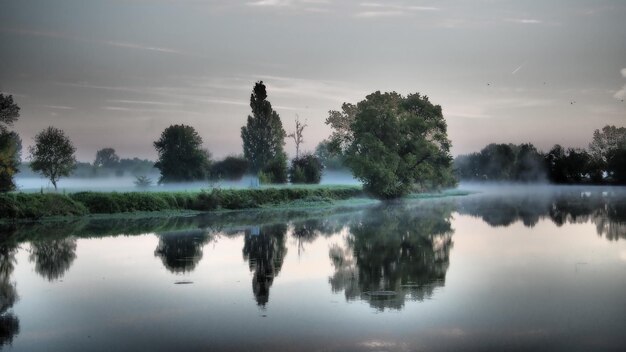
[33, 206]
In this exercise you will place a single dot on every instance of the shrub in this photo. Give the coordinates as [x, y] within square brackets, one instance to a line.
[276, 170]
[306, 169]
[231, 168]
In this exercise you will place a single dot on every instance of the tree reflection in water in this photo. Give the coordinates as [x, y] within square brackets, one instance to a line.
[9, 323]
[394, 252]
[53, 258]
[181, 251]
[264, 248]
[606, 210]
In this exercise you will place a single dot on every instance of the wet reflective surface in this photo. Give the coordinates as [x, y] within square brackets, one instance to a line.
[505, 269]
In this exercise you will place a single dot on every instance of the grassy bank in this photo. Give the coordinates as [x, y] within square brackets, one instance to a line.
[36, 206]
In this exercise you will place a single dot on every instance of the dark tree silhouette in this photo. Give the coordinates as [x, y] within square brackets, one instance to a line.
[9, 110]
[263, 137]
[264, 249]
[106, 157]
[605, 211]
[230, 168]
[53, 258]
[52, 155]
[10, 150]
[181, 251]
[181, 157]
[9, 323]
[306, 169]
[10, 143]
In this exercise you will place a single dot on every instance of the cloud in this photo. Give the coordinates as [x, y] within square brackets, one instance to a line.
[376, 10]
[376, 14]
[398, 7]
[156, 110]
[142, 102]
[67, 36]
[335, 91]
[59, 107]
[524, 20]
[621, 94]
[270, 3]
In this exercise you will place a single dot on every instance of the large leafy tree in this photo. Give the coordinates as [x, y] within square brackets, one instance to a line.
[106, 157]
[10, 150]
[52, 155]
[9, 111]
[181, 157]
[608, 150]
[394, 144]
[10, 143]
[263, 135]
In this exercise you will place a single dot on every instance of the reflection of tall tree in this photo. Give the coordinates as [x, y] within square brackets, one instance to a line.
[181, 251]
[264, 249]
[605, 209]
[9, 323]
[53, 257]
[394, 252]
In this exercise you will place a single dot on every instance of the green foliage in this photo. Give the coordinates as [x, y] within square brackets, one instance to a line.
[502, 162]
[10, 148]
[35, 205]
[567, 166]
[616, 165]
[181, 157]
[306, 169]
[607, 150]
[10, 143]
[601, 163]
[393, 144]
[609, 139]
[263, 136]
[230, 168]
[9, 111]
[106, 157]
[330, 157]
[276, 169]
[52, 155]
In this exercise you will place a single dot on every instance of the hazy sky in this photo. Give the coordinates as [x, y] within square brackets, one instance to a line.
[116, 73]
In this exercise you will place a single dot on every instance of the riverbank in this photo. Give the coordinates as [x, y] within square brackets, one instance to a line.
[36, 206]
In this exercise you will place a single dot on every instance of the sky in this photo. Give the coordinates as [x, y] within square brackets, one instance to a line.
[115, 73]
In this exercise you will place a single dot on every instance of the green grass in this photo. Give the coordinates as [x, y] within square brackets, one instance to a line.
[36, 206]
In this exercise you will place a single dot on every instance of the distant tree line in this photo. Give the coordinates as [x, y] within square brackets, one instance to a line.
[604, 161]
[394, 144]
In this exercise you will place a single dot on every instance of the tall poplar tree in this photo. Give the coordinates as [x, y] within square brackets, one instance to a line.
[263, 135]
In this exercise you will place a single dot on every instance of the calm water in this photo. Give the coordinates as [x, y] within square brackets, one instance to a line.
[506, 269]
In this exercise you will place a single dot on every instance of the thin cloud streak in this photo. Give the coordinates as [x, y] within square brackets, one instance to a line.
[59, 107]
[66, 36]
[518, 68]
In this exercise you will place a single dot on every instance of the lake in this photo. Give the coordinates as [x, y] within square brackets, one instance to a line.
[505, 268]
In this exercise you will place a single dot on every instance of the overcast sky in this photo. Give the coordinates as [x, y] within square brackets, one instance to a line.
[116, 73]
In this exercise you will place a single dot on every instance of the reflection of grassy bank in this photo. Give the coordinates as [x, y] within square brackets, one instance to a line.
[132, 224]
[37, 206]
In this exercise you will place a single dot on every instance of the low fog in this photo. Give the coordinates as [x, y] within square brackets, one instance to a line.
[126, 183]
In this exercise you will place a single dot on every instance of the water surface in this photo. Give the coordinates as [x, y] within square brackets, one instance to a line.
[504, 269]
